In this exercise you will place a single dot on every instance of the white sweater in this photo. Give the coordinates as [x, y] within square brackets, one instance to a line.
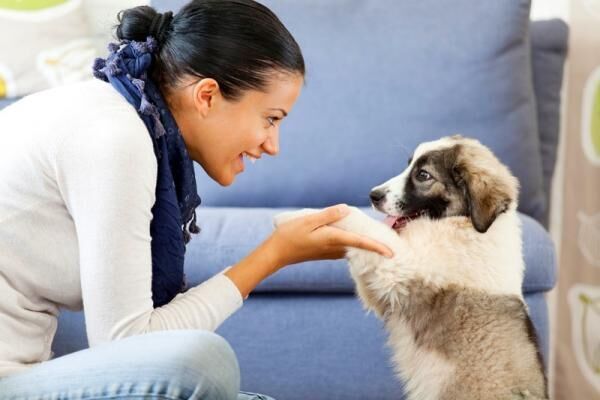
[77, 181]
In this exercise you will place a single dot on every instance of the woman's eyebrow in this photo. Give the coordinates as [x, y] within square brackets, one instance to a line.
[280, 109]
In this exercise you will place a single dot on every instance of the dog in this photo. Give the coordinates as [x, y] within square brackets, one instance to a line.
[450, 298]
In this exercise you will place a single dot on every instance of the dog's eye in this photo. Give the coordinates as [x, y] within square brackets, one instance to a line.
[423, 175]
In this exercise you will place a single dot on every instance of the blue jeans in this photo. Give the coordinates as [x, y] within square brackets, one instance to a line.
[166, 365]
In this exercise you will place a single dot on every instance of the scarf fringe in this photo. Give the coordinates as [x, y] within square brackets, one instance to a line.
[191, 227]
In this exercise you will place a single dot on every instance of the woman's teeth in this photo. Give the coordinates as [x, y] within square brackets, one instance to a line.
[252, 159]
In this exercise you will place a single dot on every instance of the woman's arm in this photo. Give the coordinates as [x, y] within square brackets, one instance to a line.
[255, 267]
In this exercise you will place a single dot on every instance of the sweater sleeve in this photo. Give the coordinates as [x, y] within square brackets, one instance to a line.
[106, 174]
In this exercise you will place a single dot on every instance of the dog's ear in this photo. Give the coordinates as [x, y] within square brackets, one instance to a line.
[487, 200]
[487, 195]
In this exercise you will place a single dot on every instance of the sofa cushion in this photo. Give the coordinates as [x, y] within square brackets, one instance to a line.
[385, 75]
[229, 234]
[549, 41]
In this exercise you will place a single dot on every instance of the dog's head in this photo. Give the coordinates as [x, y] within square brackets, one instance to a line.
[452, 176]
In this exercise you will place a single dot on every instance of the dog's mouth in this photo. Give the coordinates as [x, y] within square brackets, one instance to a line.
[399, 222]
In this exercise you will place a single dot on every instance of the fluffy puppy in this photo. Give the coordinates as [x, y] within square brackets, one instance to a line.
[451, 296]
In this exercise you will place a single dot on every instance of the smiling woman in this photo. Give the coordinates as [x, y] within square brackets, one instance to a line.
[218, 132]
[104, 171]
[231, 103]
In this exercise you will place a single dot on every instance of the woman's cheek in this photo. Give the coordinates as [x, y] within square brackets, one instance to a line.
[261, 137]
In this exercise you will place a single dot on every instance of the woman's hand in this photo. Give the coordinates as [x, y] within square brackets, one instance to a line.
[310, 238]
[297, 240]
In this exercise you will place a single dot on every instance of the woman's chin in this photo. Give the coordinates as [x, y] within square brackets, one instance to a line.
[227, 178]
[228, 183]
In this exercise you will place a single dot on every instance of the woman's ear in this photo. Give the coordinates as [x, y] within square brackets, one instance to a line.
[205, 93]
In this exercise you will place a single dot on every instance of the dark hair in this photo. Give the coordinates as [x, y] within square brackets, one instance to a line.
[239, 43]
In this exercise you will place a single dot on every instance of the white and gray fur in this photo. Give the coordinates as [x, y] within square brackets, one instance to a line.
[451, 296]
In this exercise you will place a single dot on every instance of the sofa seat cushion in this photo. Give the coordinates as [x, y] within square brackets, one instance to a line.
[229, 234]
[296, 346]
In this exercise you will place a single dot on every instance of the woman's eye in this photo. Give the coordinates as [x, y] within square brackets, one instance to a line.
[272, 120]
[423, 175]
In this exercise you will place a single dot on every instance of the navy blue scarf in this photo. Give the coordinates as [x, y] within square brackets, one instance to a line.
[126, 69]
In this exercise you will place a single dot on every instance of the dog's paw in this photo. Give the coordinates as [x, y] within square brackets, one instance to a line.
[356, 221]
[360, 223]
[286, 216]
[364, 261]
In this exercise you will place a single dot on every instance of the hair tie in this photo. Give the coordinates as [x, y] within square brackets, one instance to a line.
[160, 25]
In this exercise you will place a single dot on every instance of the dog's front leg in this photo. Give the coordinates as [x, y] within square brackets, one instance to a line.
[356, 222]
[379, 280]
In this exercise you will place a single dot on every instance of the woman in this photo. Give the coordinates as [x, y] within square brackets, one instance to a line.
[97, 195]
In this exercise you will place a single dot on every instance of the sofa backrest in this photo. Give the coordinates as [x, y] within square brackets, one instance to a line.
[385, 75]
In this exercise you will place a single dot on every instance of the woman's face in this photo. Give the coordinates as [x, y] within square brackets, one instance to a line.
[220, 134]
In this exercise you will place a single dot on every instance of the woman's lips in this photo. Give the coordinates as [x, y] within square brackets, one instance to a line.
[240, 160]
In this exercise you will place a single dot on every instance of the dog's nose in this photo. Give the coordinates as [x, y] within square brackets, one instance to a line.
[377, 196]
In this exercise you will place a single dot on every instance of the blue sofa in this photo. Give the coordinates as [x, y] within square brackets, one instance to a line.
[382, 76]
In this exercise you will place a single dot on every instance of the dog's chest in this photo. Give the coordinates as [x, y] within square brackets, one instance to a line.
[424, 372]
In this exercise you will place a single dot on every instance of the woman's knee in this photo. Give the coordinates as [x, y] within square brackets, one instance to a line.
[178, 364]
[203, 362]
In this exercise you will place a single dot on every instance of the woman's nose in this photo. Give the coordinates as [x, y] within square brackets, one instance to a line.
[271, 145]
